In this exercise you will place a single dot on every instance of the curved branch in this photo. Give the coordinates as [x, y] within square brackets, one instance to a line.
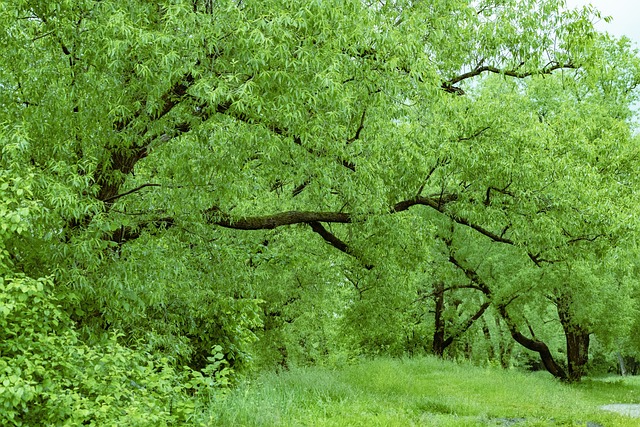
[334, 241]
[534, 345]
[267, 222]
[471, 275]
[529, 343]
[511, 73]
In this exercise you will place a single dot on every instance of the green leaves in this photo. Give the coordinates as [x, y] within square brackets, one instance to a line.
[48, 375]
[132, 123]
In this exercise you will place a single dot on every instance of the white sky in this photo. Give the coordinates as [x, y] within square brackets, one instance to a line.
[625, 14]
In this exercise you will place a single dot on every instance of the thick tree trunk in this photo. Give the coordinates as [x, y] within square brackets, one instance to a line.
[577, 342]
[577, 353]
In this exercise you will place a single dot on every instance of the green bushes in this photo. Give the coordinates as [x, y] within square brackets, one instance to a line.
[49, 377]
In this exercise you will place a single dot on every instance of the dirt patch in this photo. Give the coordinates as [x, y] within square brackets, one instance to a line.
[628, 409]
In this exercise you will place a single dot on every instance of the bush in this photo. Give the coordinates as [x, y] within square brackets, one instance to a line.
[49, 377]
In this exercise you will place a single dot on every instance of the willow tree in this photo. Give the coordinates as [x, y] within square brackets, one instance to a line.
[207, 119]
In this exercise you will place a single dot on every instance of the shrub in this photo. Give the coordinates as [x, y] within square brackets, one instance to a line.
[49, 377]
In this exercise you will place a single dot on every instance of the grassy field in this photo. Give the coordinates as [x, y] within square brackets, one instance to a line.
[420, 392]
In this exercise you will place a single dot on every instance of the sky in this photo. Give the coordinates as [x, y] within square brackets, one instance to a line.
[625, 14]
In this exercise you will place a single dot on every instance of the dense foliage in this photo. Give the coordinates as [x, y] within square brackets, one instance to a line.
[191, 188]
[49, 377]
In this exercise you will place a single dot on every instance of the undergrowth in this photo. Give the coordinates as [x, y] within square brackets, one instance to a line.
[420, 392]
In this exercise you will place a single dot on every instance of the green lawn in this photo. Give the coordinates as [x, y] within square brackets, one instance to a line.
[420, 392]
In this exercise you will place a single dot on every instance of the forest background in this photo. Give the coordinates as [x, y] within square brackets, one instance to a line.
[193, 189]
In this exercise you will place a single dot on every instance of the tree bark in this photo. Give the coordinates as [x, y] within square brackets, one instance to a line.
[438, 332]
[440, 343]
[534, 345]
[577, 339]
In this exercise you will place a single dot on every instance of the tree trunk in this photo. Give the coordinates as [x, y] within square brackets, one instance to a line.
[577, 342]
[623, 369]
[505, 346]
[534, 345]
[577, 353]
[491, 351]
[438, 332]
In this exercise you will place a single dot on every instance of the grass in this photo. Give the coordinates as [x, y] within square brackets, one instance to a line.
[420, 392]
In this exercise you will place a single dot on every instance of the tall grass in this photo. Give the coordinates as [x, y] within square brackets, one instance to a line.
[419, 392]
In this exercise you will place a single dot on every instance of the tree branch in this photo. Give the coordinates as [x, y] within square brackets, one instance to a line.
[474, 135]
[170, 99]
[124, 234]
[117, 196]
[464, 327]
[529, 343]
[534, 345]
[360, 127]
[267, 222]
[334, 241]
[449, 84]
[471, 275]
[225, 108]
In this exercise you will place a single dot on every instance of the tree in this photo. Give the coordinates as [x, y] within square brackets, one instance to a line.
[160, 134]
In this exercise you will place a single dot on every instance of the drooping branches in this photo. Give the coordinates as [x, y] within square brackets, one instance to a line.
[532, 343]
